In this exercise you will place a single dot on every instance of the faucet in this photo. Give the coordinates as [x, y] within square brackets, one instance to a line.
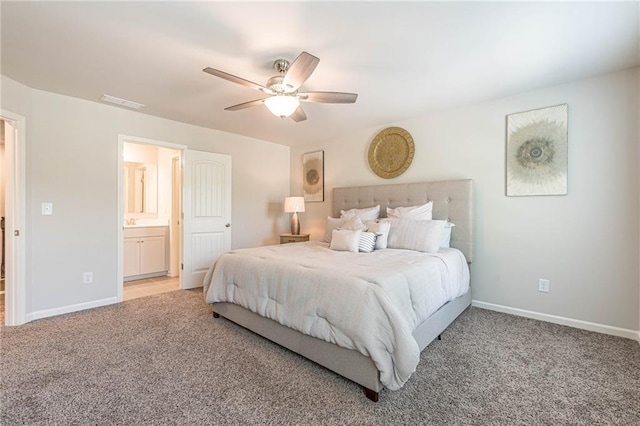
[130, 221]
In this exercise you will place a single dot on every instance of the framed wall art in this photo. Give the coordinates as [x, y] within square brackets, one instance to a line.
[537, 152]
[313, 176]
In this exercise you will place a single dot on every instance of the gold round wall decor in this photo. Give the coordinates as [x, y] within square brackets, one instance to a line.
[391, 152]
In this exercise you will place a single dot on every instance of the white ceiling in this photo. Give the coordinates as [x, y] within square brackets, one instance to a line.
[404, 59]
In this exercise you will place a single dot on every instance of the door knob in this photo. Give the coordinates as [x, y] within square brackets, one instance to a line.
[228, 225]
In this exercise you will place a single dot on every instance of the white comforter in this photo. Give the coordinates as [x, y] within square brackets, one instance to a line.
[370, 302]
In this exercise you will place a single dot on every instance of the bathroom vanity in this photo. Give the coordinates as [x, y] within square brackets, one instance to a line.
[145, 252]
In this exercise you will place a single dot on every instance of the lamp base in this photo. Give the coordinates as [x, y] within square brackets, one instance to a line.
[295, 224]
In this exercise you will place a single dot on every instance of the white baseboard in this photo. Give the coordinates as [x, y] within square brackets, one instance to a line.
[71, 308]
[584, 325]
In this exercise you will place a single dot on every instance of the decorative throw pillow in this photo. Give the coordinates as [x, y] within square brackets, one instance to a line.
[422, 212]
[419, 235]
[367, 242]
[351, 224]
[332, 223]
[345, 240]
[370, 213]
[382, 229]
[446, 235]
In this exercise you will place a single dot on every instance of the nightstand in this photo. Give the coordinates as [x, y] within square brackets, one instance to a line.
[290, 238]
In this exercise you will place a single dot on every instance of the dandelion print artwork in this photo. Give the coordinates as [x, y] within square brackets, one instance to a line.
[313, 176]
[537, 152]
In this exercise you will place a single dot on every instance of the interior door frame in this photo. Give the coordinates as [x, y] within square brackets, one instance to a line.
[175, 233]
[120, 203]
[15, 219]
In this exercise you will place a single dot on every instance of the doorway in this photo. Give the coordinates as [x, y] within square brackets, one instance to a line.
[148, 192]
[200, 225]
[12, 205]
[2, 220]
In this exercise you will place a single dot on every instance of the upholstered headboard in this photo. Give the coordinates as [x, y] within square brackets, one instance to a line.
[452, 201]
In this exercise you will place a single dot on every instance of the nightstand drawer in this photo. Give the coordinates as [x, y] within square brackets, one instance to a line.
[290, 238]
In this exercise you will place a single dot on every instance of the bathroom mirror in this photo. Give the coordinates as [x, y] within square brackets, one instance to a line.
[140, 185]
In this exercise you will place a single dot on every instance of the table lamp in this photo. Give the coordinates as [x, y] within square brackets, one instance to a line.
[294, 205]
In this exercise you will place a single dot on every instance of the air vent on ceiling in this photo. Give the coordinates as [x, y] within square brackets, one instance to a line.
[121, 102]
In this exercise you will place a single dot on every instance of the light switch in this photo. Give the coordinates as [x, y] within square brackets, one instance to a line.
[47, 208]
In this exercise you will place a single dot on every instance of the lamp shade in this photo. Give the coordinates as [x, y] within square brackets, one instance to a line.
[294, 204]
[282, 105]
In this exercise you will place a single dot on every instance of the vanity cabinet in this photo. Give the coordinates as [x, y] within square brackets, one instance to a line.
[145, 252]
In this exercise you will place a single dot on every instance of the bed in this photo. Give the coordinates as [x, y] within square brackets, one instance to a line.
[347, 355]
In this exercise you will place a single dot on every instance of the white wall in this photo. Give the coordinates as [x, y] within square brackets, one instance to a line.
[164, 182]
[586, 243]
[139, 153]
[71, 154]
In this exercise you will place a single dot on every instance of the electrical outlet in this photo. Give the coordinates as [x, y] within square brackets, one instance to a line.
[87, 278]
[543, 285]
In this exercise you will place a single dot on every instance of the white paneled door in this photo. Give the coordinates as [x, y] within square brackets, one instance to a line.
[206, 208]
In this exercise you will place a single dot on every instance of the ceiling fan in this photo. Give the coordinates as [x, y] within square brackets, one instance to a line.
[284, 100]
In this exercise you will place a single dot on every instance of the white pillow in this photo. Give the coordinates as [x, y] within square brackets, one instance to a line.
[367, 242]
[420, 235]
[446, 235]
[353, 223]
[332, 223]
[382, 229]
[345, 240]
[423, 212]
[370, 213]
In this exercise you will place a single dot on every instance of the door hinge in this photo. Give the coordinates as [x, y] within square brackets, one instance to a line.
[182, 266]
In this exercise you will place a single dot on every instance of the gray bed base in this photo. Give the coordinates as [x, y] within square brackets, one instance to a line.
[453, 201]
[346, 362]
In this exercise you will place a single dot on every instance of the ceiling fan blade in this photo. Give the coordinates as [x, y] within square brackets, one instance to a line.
[237, 80]
[245, 105]
[328, 97]
[298, 115]
[299, 71]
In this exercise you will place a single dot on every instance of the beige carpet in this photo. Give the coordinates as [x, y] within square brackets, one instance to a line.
[164, 360]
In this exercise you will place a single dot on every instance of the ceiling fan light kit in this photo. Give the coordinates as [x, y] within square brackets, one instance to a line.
[282, 105]
[284, 98]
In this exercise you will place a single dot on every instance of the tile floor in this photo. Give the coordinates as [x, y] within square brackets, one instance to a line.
[149, 287]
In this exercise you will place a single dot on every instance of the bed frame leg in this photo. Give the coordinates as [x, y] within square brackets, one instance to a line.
[372, 395]
[439, 336]
[216, 315]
